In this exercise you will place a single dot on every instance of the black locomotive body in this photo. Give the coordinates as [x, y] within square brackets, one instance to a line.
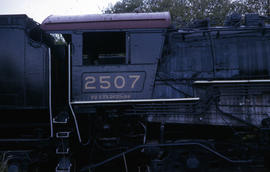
[128, 91]
[27, 57]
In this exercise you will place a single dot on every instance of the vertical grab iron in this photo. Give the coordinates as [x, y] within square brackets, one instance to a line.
[50, 90]
[69, 95]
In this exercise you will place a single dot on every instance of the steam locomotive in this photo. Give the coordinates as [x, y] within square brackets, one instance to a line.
[131, 92]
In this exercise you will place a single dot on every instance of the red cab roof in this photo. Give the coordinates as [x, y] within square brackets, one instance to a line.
[107, 21]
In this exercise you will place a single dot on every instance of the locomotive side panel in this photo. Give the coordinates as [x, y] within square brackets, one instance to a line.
[217, 55]
[145, 47]
[228, 69]
[242, 54]
[212, 55]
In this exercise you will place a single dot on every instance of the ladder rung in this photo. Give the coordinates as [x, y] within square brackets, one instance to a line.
[58, 169]
[63, 121]
[65, 134]
[62, 151]
[61, 118]
[62, 170]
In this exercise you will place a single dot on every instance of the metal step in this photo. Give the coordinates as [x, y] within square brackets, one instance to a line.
[61, 118]
[62, 170]
[64, 165]
[63, 134]
[62, 151]
[56, 121]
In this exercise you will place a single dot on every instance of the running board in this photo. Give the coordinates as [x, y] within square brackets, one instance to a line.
[233, 81]
[136, 101]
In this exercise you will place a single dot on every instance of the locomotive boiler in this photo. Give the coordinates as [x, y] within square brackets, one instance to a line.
[131, 92]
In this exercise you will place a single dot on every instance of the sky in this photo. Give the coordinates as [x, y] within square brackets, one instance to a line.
[40, 9]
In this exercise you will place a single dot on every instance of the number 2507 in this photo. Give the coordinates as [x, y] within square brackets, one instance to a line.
[106, 82]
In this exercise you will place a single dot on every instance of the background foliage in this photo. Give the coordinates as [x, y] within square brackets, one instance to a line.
[186, 11]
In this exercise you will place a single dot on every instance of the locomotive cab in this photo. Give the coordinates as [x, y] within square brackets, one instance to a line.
[113, 57]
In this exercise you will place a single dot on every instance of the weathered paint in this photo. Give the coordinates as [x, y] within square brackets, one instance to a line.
[107, 21]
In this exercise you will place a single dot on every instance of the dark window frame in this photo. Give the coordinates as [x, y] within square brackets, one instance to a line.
[105, 48]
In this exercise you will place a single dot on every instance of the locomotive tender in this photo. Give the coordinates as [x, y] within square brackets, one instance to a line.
[130, 92]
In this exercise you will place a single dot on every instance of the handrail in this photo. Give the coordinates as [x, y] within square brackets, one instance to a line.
[232, 81]
[136, 101]
[69, 95]
[50, 90]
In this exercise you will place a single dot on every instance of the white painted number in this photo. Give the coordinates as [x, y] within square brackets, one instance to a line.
[122, 82]
[90, 80]
[104, 84]
[136, 78]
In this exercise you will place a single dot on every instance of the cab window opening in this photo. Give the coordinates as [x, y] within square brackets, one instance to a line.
[101, 48]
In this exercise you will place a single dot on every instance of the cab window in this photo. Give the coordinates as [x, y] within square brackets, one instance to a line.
[104, 48]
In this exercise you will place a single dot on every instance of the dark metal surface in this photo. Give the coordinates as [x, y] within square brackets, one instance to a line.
[180, 144]
[23, 65]
[234, 53]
